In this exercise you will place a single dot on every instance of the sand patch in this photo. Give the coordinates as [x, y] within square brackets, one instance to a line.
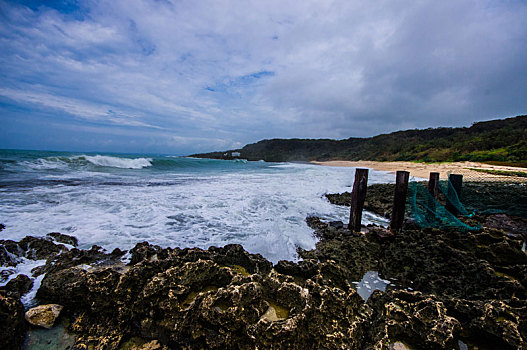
[423, 170]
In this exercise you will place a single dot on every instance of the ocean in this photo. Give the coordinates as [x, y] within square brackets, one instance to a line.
[116, 200]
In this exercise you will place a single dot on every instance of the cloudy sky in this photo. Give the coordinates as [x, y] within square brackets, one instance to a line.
[176, 77]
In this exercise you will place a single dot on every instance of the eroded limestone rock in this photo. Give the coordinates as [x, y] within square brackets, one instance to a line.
[447, 287]
[44, 315]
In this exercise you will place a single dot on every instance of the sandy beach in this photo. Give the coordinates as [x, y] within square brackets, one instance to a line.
[423, 170]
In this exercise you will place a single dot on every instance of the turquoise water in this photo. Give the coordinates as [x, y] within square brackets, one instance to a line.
[115, 200]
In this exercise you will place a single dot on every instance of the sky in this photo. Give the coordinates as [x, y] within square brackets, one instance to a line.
[180, 77]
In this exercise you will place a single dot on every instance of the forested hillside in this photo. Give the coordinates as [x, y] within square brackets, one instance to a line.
[502, 140]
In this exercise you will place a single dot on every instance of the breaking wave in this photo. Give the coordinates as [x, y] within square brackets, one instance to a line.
[98, 161]
[83, 161]
[123, 163]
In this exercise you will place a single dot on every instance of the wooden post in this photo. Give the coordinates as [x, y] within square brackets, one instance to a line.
[358, 195]
[399, 200]
[457, 184]
[433, 184]
[433, 189]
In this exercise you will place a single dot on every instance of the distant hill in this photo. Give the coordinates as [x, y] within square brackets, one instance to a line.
[502, 140]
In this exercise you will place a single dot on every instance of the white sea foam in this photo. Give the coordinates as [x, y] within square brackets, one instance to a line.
[28, 299]
[63, 163]
[260, 207]
[51, 163]
[117, 162]
[24, 267]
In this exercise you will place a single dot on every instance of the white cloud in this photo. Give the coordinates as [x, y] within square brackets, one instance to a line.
[88, 111]
[339, 68]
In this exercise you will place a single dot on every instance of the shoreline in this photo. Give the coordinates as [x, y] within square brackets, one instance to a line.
[422, 170]
[162, 298]
[441, 284]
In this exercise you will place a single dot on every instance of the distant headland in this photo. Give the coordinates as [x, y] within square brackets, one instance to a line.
[500, 141]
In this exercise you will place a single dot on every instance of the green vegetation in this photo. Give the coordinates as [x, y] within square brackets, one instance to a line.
[522, 164]
[502, 140]
[501, 172]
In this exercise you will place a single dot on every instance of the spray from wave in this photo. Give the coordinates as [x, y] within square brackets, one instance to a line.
[97, 162]
[50, 163]
[123, 163]
[63, 163]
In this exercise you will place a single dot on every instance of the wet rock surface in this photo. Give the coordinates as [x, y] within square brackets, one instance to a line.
[17, 286]
[473, 282]
[379, 199]
[215, 298]
[446, 287]
[62, 238]
[34, 248]
[12, 323]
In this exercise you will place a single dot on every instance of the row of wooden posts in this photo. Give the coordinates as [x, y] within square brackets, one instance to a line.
[360, 185]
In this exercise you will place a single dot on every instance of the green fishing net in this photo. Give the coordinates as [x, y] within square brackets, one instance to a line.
[429, 212]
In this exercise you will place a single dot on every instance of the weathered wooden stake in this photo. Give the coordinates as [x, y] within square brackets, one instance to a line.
[433, 189]
[433, 184]
[358, 195]
[457, 184]
[399, 200]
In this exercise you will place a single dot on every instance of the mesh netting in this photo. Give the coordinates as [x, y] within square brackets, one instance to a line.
[429, 212]
[493, 198]
[452, 197]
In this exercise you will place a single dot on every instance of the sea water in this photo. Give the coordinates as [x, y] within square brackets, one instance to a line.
[115, 200]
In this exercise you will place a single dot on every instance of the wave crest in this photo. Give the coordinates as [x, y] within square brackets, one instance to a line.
[123, 163]
[51, 163]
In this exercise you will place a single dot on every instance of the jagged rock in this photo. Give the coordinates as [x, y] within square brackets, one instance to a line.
[44, 315]
[34, 248]
[303, 269]
[5, 273]
[143, 252]
[469, 286]
[339, 198]
[76, 287]
[503, 253]
[420, 321]
[95, 256]
[491, 324]
[62, 238]
[510, 224]
[379, 199]
[12, 324]
[17, 287]
[315, 223]
[10, 253]
[37, 248]
[336, 224]
[235, 254]
[219, 298]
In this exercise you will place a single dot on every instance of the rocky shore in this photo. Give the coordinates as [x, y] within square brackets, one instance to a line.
[447, 290]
